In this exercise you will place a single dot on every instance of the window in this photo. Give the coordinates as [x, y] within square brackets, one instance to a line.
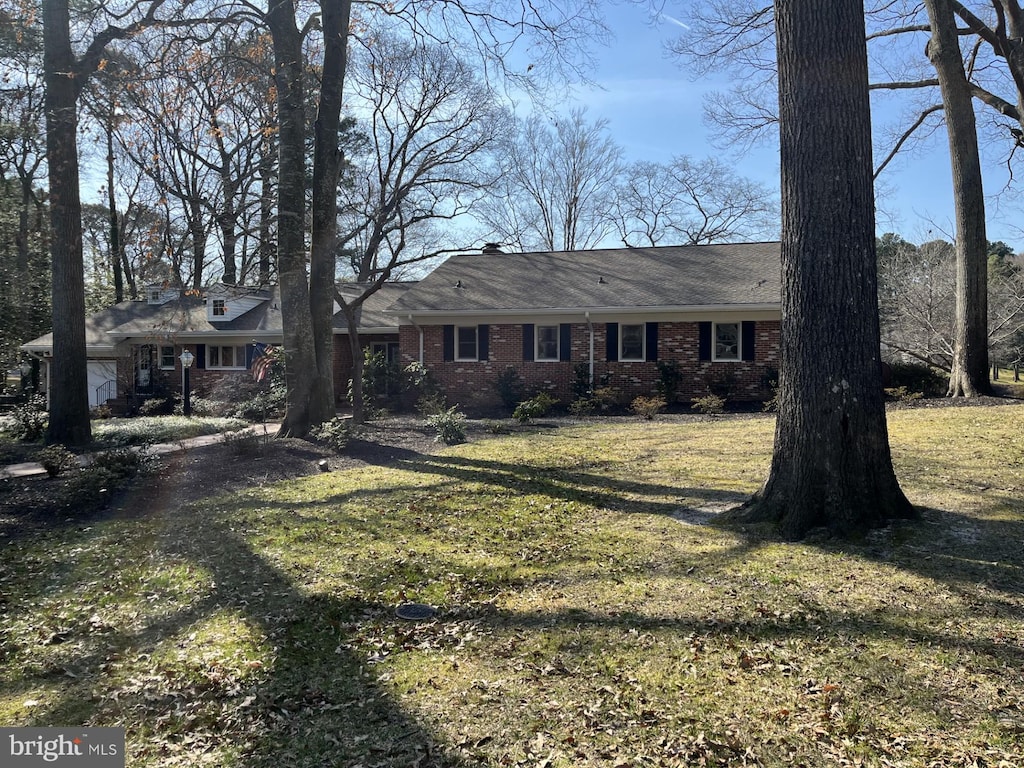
[167, 358]
[631, 342]
[547, 342]
[220, 308]
[387, 348]
[465, 342]
[727, 341]
[154, 296]
[225, 357]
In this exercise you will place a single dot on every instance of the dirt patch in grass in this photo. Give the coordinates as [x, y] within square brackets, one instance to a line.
[34, 503]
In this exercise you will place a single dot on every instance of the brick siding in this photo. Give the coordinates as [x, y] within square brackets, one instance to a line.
[472, 384]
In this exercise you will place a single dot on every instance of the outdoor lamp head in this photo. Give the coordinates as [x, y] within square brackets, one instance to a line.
[186, 359]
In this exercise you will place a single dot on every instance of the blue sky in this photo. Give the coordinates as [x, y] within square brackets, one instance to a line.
[654, 111]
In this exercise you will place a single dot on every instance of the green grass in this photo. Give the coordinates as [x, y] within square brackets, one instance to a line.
[1008, 385]
[580, 621]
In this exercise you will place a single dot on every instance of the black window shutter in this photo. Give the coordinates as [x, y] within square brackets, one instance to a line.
[748, 339]
[528, 347]
[565, 342]
[250, 351]
[448, 342]
[483, 342]
[651, 329]
[704, 341]
[611, 341]
[200, 355]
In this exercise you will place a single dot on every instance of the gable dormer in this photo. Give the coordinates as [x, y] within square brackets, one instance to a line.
[159, 293]
[224, 305]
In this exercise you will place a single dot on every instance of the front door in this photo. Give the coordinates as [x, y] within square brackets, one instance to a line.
[144, 368]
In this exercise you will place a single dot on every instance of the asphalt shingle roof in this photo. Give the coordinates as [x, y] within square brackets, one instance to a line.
[668, 276]
[187, 315]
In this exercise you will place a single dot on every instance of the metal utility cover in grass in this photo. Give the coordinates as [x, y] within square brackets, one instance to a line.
[415, 612]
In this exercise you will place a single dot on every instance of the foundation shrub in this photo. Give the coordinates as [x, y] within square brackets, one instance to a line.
[647, 407]
[669, 379]
[709, 404]
[534, 408]
[510, 388]
[450, 426]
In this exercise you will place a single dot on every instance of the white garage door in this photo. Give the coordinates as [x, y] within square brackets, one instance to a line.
[101, 372]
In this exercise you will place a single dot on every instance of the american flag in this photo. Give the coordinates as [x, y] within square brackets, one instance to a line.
[262, 358]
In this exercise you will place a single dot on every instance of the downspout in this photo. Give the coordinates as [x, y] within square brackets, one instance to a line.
[590, 330]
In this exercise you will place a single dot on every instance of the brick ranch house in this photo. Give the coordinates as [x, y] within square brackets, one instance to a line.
[607, 316]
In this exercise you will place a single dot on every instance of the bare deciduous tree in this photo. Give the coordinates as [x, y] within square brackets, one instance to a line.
[692, 202]
[24, 271]
[557, 189]
[432, 127]
[490, 30]
[969, 374]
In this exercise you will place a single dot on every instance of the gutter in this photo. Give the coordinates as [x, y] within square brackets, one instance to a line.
[695, 309]
[590, 330]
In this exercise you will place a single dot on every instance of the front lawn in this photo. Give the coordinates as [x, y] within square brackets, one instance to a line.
[585, 614]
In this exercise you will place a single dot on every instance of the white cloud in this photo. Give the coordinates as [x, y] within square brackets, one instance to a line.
[673, 20]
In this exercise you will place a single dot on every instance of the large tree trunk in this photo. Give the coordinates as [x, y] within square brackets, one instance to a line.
[197, 233]
[69, 396]
[326, 172]
[969, 375]
[831, 464]
[266, 209]
[114, 222]
[226, 222]
[226, 217]
[301, 379]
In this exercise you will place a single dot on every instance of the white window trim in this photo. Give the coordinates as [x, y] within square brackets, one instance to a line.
[476, 344]
[220, 304]
[536, 344]
[643, 343]
[237, 347]
[160, 357]
[739, 343]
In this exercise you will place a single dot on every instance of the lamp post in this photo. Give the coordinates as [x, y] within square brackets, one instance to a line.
[186, 358]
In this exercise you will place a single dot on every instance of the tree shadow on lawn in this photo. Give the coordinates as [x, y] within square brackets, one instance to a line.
[317, 702]
[320, 703]
[979, 557]
[961, 551]
[563, 484]
[819, 625]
